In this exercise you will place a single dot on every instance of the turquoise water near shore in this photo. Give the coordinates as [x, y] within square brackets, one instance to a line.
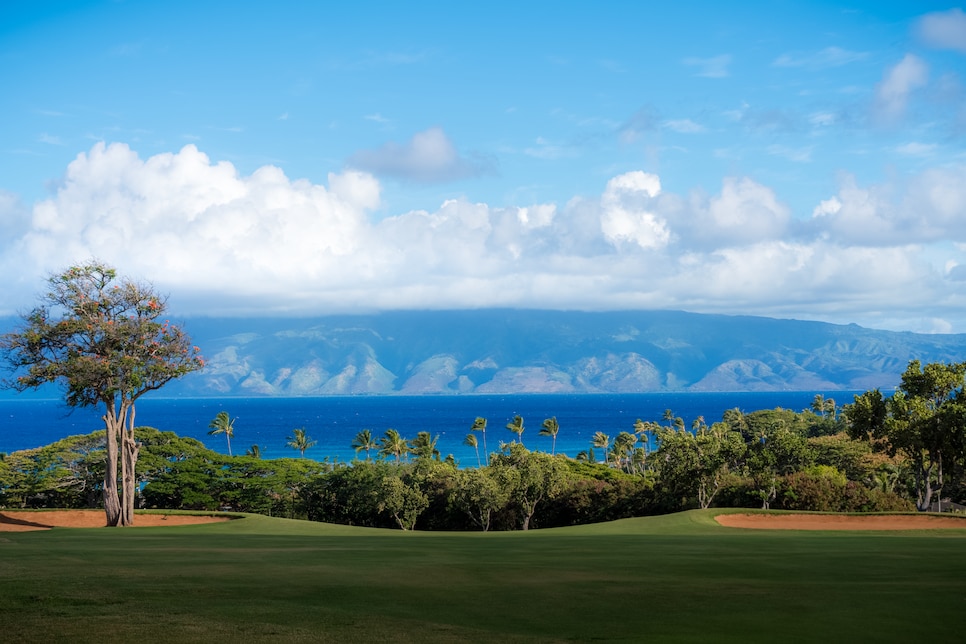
[333, 421]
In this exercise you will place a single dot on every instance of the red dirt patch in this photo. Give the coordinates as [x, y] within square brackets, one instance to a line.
[839, 521]
[17, 521]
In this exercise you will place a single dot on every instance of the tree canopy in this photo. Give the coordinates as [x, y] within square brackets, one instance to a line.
[925, 421]
[104, 340]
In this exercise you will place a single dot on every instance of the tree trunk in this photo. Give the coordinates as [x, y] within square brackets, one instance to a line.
[924, 486]
[706, 496]
[529, 508]
[112, 504]
[129, 458]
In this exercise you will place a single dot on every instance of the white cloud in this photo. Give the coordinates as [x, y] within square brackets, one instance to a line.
[221, 242]
[743, 213]
[943, 29]
[827, 207]
[714, 67]
[428, 157]
[748, 210]
[14, 219]
[624, 215]
[892, 94]
[189, 223]
[927, 207]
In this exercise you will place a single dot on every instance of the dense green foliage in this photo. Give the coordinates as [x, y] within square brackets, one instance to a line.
[924, 422]
[674, 578]
[774, 458]
[875, 454]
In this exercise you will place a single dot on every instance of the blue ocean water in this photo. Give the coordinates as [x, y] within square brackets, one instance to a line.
[333, 421]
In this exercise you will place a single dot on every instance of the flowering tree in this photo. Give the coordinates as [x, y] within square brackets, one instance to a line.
[103, 340]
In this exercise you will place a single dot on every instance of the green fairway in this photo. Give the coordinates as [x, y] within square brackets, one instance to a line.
[674, 578]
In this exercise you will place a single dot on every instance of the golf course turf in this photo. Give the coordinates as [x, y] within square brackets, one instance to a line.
[675, 578]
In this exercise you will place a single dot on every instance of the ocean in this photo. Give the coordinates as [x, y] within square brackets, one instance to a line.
[333, 421]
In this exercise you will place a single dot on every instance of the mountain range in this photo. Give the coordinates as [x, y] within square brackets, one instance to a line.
[497, 351]
[536, 351]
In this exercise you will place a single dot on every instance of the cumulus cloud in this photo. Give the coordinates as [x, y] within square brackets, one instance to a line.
[943, 29]
[624, 215]
[926, 207]
[827, 207]
[192, 222]
[743, 213]
[222, 242]
[14, 218]
[428, 157]
[893, 92]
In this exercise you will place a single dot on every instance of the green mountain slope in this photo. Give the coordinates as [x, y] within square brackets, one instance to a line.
[527, 351]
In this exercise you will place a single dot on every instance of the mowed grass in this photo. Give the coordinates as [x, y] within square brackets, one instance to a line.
[679, 578]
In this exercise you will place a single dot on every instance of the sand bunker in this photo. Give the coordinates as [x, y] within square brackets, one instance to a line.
[15, 521]
[839, 521]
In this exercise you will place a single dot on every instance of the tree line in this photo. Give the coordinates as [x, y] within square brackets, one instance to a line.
[103, 339]
[817, 459]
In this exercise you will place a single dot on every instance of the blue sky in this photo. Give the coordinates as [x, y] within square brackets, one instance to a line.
[788, 159]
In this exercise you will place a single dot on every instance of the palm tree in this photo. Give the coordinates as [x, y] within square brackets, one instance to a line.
[698, 426]
[735, 418]
[516, 426]
[472, 442]
[300, 441]
[643, 429]
[254, 451]
[601, 441]
[223, 424]
[818, 405]
[639, 460]
[623, 449]
[668, 416]
[393, 444]
[424, 446]
[364, 441]
[550, 428]
[479, 425]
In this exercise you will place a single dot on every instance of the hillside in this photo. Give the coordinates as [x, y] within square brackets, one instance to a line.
[521, 351]
[529, 351]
